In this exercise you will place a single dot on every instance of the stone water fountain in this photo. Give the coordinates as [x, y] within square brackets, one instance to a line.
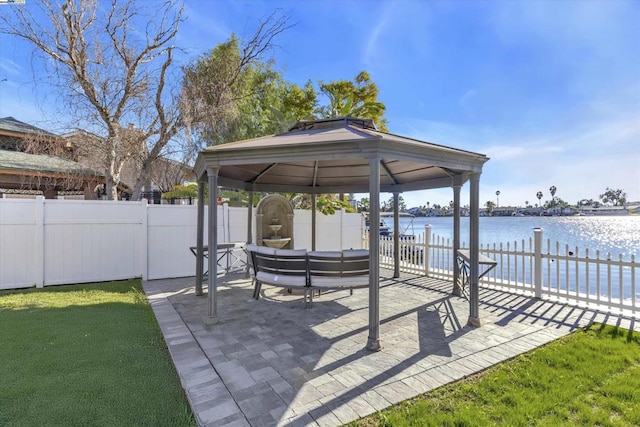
[275, 241]
[274, 222]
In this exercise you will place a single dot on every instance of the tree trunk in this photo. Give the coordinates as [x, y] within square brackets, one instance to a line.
[143, 176]
[111, 190]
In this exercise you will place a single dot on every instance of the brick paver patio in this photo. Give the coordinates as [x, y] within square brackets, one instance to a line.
[273, 362]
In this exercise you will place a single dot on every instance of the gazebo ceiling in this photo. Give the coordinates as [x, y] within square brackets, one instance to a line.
[332, 155]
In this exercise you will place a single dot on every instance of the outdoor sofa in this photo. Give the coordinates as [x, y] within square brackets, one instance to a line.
[308, 271]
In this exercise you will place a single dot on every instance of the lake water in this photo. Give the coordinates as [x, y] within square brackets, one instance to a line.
[608, 234]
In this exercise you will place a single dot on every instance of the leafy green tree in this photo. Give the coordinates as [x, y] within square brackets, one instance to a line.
[232, 93]
[389, 205]
[358, 98]
[556, 201]
[327, 204]
[182, 192]
[363, 205]
[586, 202]
[616, 197]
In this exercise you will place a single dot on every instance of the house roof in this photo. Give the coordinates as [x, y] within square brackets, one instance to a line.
[15, 160]
[332, 155]
[10, 124]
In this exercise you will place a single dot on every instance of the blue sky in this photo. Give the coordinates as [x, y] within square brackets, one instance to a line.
[549, 90]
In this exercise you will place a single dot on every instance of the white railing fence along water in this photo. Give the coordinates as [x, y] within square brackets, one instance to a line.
[533, 267]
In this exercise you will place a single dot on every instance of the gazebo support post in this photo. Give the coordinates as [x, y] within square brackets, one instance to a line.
[212, 306]
[373, 341]
[396, 235]
[249, 223]
[456, 239]
[474, 251]
[200, 239]
[314, 218]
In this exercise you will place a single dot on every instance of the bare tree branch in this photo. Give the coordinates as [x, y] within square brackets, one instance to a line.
[214, 85]
[109, 71]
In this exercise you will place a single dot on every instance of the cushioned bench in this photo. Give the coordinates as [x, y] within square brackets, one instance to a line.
[309, 271]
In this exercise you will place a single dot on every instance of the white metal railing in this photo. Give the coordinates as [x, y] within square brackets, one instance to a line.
[531, 266]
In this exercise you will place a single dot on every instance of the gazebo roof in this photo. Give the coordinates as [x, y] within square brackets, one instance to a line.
[338, 156]
[332, 156]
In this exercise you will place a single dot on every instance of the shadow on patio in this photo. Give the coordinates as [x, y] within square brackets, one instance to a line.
[281, 364]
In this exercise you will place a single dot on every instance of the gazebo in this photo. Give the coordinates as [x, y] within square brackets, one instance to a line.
[341, 155]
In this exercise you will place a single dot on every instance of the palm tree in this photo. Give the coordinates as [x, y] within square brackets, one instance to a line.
[526, 204]
[498, 198]
[553, 190]
[489, 204]
[539, 196]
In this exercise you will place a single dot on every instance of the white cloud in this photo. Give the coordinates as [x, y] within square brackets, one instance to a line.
[466, 101]
[10, 67]
[513, 152]
[371, 53]
[203, 31]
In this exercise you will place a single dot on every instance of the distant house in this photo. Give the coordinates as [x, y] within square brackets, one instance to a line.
[34, 161]
[165, 172]
[629, 209]
[463, 211]
[504, 211]
[561, 211]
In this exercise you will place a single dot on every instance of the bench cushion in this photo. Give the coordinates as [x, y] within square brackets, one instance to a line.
[290, 252]
[265, 250]
[339, 282]
[355, 252]
[326, 254]
[283, 280]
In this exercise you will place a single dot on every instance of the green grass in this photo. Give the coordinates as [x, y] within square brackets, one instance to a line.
[86, 355]
[589, 378]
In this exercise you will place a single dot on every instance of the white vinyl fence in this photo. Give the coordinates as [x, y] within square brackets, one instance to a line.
[534, 267]
[52, 242]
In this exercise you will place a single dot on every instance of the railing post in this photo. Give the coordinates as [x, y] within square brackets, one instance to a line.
[427, 249]
[537, 261]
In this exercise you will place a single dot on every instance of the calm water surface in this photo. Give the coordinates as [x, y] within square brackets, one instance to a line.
[608, 234]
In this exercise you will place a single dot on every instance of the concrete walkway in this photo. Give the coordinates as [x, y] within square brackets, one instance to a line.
[273, 362]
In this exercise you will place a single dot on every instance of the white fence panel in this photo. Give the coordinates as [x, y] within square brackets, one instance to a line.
[171, 232]
[18, 247]
[51, 242]
[88, 241]
[302, 229]
[234, 224]
[353, 228]
[330, 238]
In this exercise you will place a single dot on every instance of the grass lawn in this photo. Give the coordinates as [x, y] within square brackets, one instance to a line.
[588, 378]
[86, 355]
